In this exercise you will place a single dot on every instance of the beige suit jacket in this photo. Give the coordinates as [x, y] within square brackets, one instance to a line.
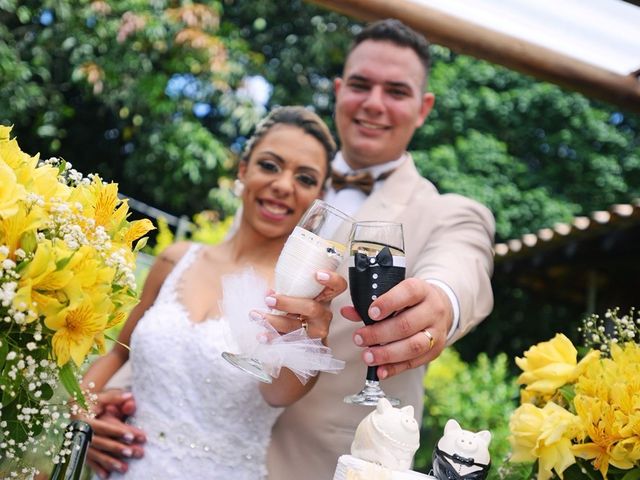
[448, 238]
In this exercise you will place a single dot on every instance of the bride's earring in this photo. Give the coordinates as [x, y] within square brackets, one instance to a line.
[238, 187]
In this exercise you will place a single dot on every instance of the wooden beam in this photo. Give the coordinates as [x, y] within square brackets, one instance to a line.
[480, 42]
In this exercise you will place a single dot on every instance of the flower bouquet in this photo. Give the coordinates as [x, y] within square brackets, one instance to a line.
[66, 276]
[581, 419]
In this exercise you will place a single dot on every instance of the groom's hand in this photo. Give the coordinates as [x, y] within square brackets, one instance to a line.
[114, 441]
[414, 312]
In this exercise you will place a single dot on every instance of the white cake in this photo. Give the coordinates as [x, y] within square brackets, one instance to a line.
[383, 446]
[352, 468]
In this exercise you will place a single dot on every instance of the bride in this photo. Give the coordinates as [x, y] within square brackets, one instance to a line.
[202, 417]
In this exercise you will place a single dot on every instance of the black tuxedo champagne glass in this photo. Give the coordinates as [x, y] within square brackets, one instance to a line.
[377, 264]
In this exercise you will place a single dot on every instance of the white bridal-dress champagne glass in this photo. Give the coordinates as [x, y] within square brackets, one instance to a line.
[318, 242]
[377, 264]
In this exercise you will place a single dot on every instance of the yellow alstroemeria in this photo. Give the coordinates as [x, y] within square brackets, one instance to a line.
[106, 201]
[137, 229]
[11, 192]
[44, 182]
[544, 434]
[10, 152]
[76, 329]
[549, 365]
[13, 228]
[598, 419]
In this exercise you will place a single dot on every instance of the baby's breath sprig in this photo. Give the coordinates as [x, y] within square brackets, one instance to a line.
[598, 333]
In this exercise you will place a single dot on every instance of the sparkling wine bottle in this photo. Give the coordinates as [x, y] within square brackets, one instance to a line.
[73, 452]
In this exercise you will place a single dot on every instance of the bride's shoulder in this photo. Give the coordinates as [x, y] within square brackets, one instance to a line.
[174, 252]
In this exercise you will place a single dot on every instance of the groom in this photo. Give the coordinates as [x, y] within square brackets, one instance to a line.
[380, 102]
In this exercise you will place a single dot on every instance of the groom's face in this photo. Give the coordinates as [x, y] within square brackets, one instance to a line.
[380, 102]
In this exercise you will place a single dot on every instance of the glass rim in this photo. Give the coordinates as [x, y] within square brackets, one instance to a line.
[330, 208]
[375, 223]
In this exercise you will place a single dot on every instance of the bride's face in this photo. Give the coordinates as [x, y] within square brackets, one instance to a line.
[283, 176]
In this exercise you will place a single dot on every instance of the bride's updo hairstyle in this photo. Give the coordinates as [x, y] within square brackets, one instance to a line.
[299, 117]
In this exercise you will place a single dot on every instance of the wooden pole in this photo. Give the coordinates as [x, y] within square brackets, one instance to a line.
[480, 42]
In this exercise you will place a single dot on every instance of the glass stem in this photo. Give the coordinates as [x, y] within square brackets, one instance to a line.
[372, 374]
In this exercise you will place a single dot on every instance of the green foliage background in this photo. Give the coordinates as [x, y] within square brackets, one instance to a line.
[115, 88]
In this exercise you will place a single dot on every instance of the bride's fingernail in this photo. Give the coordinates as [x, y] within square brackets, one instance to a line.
[270, 301]
[324, 276]
[127, 452]
[128, 437]
[368, 358]
[357, 339]
[256, 315]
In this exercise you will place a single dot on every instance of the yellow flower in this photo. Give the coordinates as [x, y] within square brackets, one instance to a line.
[544, 434]
[136, 230]
[14, 227]
[608, 402]
[76, 329]
[601, 445]
[11, 192]
[106, 201]
[552, 364]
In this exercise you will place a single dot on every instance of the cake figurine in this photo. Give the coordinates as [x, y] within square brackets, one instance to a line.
[461, 454]
[383, 446]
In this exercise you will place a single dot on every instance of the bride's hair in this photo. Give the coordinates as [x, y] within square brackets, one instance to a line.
[295, 116]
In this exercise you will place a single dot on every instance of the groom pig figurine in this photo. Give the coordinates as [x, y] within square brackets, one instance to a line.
[380, 102]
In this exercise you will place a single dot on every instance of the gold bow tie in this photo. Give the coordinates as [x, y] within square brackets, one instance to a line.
[362, 181]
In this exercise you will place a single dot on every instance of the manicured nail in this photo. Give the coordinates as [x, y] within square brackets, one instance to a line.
[357, 339]
[128, 437]
[368, 358]
[256, 315]
[374, 313]
[270, 301]
[126, 395]
[127, 452]
[323, 276]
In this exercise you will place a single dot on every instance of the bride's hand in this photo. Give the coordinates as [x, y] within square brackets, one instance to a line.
[315, 313]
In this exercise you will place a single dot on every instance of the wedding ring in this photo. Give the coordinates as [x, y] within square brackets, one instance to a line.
[304, 324]
[430, 337]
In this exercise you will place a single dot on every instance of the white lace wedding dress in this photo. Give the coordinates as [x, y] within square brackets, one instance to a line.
[203, 417]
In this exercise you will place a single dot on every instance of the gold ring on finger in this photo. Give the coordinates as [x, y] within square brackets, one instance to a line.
[429, 337]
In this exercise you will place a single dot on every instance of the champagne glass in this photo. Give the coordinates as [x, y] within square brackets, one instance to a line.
[318, 242]
[377, 264]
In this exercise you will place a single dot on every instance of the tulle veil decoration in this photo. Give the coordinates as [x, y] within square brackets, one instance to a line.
[304, 356]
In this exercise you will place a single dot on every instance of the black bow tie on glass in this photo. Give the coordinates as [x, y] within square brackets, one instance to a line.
[362, 181]
[383, 259]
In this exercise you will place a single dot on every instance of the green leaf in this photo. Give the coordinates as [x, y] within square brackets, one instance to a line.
[70, 382]
[632, 475]
[60, 264]
[568, 393]
[4, 350]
